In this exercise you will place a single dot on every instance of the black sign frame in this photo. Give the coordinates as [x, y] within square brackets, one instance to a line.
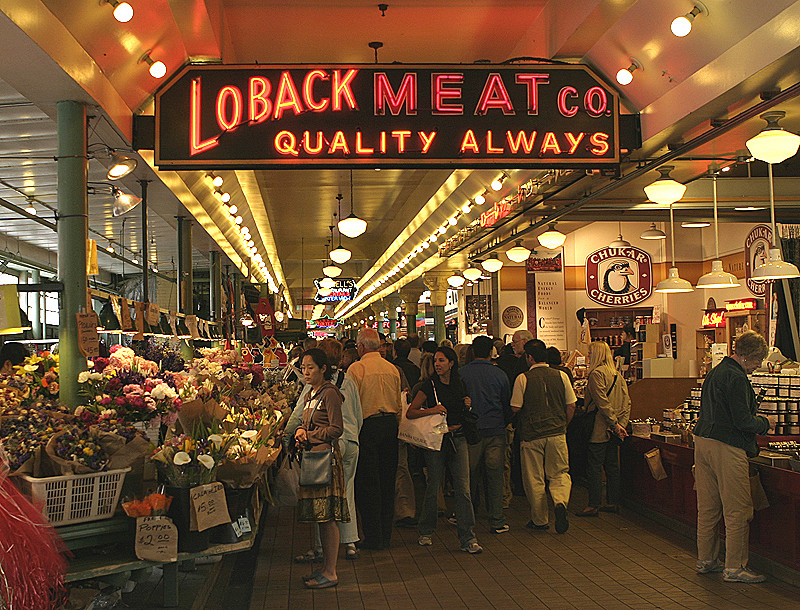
[488, 94]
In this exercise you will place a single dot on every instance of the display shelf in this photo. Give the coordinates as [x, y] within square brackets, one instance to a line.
[705, 337]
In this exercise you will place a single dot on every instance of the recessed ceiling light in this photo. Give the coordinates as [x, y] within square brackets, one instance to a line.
[749, 208]
[695, 225]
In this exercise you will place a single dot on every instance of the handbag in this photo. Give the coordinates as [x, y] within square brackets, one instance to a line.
[316, 467]
[423, 432]
[470, 428]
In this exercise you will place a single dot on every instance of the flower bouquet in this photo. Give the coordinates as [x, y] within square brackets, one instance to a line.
[24, 436]
[154, 504]
[40, 374]
[189, 460]
[79, 450]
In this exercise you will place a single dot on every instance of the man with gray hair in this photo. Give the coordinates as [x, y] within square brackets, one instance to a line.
[724, 437]
[378, 384]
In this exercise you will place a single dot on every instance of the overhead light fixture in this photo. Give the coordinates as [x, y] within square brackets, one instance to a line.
[665, 190]
[673, 283]
[238, 220]
[681, 26]
[339, 255]
[619, 242]
[518, 253]
[695, 224]
[121, 166]
[552, 238]
[480, 199]
[327, 282]
[123, 12]
[224, 197]
[492, 264]
[497, 183]
[123, 202]
[466, 208]
[625, 75]
[30, 208]
[323, 292]
[653, 233]
[332, 270]
[352, 226]
[233, 209]
[748, 208]
[717, 277]
[157, 69]
[773, 144]
[775, 268]
[216, 181]
[247, 320]
[455, 280]
[472, 273]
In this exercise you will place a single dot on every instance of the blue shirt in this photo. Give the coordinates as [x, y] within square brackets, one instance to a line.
[488, 387]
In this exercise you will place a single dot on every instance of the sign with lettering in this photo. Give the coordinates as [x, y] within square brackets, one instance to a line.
[619, 277]
[344, 290]
[156, 539]
[520, 115]
[756, 253]
[209, 507]
[741, 304]
[322, 323]
[513, 316]
[153, 314]
[497, 212]
[88, 339]
[549, 310]
[714, 318]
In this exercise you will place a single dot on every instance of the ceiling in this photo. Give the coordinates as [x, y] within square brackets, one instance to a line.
[74, 49]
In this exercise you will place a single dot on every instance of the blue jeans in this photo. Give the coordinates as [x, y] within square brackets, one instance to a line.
[455, 456]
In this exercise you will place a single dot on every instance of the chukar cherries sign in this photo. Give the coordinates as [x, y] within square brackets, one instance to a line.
[618, 277]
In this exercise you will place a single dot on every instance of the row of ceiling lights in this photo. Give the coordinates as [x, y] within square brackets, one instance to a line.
[680, 27]
[123, 12]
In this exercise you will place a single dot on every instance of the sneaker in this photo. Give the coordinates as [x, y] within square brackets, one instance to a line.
[473, 548]
[407, 522]
[541, 528]
[562, 523]
[425, 541]
[742, 575]
[452, 520]
[501, 530]
[714, 566]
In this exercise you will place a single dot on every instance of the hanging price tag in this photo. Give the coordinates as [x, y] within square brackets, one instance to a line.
[156, 539]
[127, 323]
[88, 339]
[209, 507]
[244, 525]
[236, 529]
[153, 314]
[191, 324]
[138, 309]
[173, 323]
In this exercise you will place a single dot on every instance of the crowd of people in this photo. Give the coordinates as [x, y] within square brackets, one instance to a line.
[506, 410]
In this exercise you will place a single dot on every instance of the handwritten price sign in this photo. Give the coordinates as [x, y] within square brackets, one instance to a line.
[156, 539]
[209, 507]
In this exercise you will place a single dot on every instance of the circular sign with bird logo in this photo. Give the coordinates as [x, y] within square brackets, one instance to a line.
[619, 277]
[756, 253]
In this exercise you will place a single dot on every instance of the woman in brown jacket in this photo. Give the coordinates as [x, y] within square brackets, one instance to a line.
[321, 428]
[607, 393]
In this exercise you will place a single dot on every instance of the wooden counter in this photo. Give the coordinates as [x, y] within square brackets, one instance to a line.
[774, 531]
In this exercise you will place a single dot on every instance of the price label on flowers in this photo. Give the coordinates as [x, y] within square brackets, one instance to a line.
[209, 507]
[156, 539]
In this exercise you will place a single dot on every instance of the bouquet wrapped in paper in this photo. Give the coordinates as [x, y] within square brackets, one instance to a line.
[189, 460]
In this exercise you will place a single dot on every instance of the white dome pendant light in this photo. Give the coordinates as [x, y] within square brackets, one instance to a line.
[665, 190]
[619, 242]
[653, 233]
[352, 226]
[340, 255]
[717, 277]
[673, 283]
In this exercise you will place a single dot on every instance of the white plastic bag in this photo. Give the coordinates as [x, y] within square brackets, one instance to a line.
[424, 432]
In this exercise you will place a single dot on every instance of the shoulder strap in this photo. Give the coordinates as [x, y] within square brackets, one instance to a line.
[613, 383]
[433, 385]
[339, 379]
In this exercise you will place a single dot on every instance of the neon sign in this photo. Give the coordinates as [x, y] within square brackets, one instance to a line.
[343, 290]
[322, 323]
[741, 305]
[499, 211]
[218, 116]
[714, 319]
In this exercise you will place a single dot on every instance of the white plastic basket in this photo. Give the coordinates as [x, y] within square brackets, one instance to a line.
[76, 498]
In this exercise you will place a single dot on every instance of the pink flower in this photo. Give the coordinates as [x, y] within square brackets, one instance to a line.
[105, 400]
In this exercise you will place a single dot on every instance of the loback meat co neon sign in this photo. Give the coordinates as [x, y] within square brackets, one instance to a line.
[385, 116]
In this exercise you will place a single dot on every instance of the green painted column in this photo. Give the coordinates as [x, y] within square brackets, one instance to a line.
[215, 281]
[436, 282]
[73, 231]
[185, 272]
[411, 309]
[36, 317]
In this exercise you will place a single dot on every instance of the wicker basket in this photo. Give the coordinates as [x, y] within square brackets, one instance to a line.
[76, 498]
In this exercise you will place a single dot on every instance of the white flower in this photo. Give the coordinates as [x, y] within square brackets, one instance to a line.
[216, 439]
[249, 433]
[95, 376]
[162, 391]
[83, 376]
[181, 458]
[80, 409]
[206, 460]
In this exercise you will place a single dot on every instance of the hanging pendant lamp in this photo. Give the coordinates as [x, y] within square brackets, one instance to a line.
[472, 273]
[619, 242]
[492, 264]
[717, 277]
[518, 253]
[673, 283]
[775, 268]
[352, 226]
[552, 238]
[340, 255]
[665, 190]
[653, 233]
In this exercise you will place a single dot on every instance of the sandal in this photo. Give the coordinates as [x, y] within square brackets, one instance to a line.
[320, 582]
[310, 556]
[352, 553]
[312, 576]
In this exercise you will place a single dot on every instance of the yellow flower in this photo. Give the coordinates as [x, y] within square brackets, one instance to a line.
[88, 451]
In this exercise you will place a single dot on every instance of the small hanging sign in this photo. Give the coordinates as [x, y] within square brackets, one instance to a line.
[126, 323]
[156, 539]
[153, 314]
[191, 324]
[173, 323]
[88, 339]
[209, 507]
[138, 308]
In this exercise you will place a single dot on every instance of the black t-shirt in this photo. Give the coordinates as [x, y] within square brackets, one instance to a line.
[451, 397]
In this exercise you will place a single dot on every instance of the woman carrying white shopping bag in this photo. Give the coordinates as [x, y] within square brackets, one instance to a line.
[444, 393]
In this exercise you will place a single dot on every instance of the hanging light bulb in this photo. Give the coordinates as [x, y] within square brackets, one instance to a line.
[455, 280]
[695, 224]
[665, 190]
[327, 282]
[352, 226]
[775, 268]
[518, 253]
[681, 26]
[625, 75]
[30, 208]
[673, 283]
[497, 183]
[773, 144]
[466, 208]
[717, 277]
[233, 209]
[653, 233]
[492, 264]
[123, 12]
[472, 273]
[480, 199]
[552, 238]
[332, 270]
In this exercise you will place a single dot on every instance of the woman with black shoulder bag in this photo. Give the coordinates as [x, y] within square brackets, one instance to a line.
[322, 490]
[607, 395]
[444, 394]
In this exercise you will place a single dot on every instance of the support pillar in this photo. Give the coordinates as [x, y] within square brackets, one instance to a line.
[496, 305]
[185, 274]
[437, 284]
[379, 317]
[73, 231]
[145, 256]
[36, 313]
[237, 299]
[215, 286]
[391, 303]
[411, 309]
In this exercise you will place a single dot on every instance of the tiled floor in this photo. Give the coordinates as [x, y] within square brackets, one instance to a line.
[615, 561]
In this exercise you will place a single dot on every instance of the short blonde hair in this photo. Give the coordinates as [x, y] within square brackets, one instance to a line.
[369, 339]
[426, 370]
[750, 346]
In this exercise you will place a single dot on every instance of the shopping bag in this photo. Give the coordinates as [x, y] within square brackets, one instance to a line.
[421, 432]
[653, 458]
[760, 501]
[287, 485]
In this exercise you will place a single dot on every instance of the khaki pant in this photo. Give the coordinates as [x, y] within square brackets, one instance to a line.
[405, 504]
[722, 478]
[545, 458]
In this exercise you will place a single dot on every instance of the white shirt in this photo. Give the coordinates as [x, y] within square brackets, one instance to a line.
[521, 384]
